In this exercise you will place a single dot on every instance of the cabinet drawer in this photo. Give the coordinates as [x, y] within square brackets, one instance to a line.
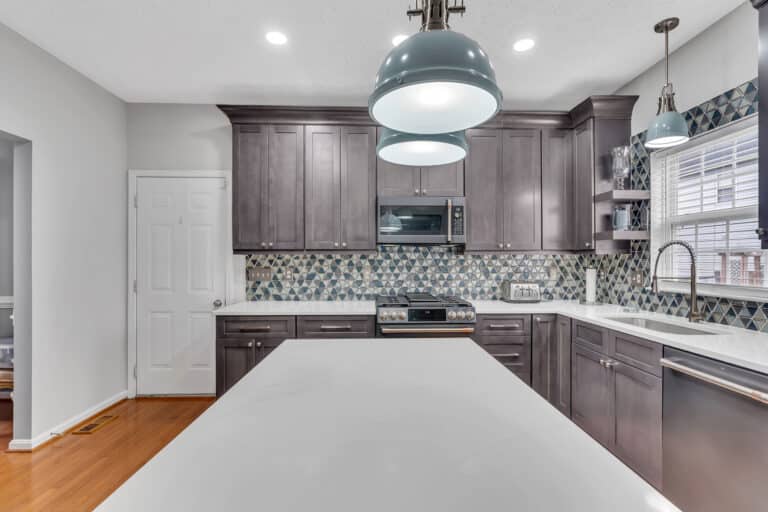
[503, 325]
[516, 357]
[335, 326]
[638, 352]
[256, 327]
[591, 336]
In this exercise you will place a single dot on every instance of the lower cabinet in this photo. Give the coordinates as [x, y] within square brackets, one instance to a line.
[508, 339]
[234, 358]
[551, 360]
[336, 326]
[617, 398]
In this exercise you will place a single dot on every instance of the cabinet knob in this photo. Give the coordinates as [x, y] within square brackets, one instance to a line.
[343, 244]
[423, 191]
[258, 344]
[250, 344]
[587, 244]
[263, 244]
[501, 246]
[416, 191]
[509, 246]
[270, 244]
[335, 244]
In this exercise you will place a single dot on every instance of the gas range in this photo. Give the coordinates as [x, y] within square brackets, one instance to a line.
[424, 314]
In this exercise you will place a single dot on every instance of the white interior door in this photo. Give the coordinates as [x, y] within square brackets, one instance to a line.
[180, 270]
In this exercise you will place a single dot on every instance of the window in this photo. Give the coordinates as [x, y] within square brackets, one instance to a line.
[705, 192]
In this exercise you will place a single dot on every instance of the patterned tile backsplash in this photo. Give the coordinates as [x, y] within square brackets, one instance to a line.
[440, 270]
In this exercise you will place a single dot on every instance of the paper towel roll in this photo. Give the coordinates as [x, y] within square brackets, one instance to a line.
[591, 281]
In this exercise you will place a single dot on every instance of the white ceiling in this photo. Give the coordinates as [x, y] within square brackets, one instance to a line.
[213, 51]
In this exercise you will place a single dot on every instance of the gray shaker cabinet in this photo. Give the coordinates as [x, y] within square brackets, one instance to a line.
[583, 189]
[443, 180]
[268, 191]
[340, 188]
[557, 198]
[484, 190]
[542, 349]
[592, 404]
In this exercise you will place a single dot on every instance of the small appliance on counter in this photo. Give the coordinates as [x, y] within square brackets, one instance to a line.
[520, 292]
[419, 315]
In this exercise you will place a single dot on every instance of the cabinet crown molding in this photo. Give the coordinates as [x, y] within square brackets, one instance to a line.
[757, 4]
[604, 107]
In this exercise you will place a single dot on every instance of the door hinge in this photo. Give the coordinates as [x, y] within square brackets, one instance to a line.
[135, 287]
[135, 372]
[135, 200]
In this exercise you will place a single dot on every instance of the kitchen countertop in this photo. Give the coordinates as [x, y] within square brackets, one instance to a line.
[734, 345]
[384, 425]
[299, 307]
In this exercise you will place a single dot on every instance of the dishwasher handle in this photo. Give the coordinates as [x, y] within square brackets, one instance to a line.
[720, 382]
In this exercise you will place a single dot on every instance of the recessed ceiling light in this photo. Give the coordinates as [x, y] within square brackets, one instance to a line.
[523, 45]
[399, 39]
[276, 38]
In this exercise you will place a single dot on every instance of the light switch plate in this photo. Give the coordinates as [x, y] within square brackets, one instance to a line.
[259, 274]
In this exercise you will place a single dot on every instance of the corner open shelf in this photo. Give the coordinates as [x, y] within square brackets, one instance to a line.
[630, 234]
[618, 196]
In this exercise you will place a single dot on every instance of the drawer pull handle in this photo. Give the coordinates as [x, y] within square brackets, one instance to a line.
[502, 326]
[255, 329]
[335, 327]
[513, 354]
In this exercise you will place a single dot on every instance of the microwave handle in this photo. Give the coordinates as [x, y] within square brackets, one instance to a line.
[450, 220]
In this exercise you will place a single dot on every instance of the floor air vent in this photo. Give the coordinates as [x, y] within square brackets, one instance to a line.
[96, 424]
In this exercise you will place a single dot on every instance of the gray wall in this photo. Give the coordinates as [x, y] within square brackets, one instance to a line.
[723, 55]
[77, 255]
[178, 137]
[6, 218]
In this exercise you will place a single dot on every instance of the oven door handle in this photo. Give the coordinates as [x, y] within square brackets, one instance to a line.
[450, 221]
[427, 330]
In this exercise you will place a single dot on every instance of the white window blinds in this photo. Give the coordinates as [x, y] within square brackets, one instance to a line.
[706, 193]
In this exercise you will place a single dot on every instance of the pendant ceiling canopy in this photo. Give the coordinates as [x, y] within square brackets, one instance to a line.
[436, 81]
[421, 150]
[669, 127]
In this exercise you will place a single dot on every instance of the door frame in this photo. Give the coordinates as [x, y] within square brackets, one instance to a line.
[229, 286]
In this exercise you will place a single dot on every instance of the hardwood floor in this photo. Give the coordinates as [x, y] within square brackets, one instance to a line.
[77, 473]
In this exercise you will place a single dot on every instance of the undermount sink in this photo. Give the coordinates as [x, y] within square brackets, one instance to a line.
[656, 325]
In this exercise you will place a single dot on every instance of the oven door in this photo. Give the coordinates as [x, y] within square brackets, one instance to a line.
[418, 220]
[425, 330]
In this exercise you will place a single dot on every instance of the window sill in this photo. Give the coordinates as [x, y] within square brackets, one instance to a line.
[744, 293]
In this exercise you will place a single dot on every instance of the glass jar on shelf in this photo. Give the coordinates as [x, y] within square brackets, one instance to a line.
[620, 163]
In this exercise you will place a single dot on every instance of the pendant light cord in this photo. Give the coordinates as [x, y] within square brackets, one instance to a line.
[666, 51]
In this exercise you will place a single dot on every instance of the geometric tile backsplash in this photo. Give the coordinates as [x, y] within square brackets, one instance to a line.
[396, 269]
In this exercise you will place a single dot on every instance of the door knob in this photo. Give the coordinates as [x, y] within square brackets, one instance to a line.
[217, 303]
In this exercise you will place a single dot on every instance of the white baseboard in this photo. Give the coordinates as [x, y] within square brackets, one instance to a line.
[25, 445]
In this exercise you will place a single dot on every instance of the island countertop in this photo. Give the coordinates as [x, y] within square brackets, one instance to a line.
[384, 425]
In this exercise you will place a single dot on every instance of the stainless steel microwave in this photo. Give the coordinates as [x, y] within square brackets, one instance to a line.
[421, 220]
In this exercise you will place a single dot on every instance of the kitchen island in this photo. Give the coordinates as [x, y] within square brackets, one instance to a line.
[384, 425]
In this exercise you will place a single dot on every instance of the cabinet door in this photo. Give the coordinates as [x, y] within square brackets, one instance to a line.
[249, 192]
[443, 180]
[638, 398]
[560, 366]
[592, 405]
[583, 188]
[484, 190]
[543, 347]
[557, 190]
[323, 189]
[396, 180]
[522, 189]
[285, 192]
[234, 358]
[358, 188]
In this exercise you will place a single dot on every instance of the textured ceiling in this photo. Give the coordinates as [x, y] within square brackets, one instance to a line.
[213, 51]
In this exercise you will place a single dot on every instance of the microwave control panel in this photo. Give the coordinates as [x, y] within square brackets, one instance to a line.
[458, 221]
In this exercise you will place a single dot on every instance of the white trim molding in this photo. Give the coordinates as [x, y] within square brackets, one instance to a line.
[6, 302]
[26, 445]
[229, 270]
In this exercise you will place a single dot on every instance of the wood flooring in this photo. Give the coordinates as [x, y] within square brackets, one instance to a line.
[76, 473]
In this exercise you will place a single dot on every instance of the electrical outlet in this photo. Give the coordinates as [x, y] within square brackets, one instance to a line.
[288, 274]
[259, 274]
[636, 279]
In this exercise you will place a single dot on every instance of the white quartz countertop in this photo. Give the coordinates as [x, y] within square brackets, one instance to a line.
[302, 307]
[741, 347]
[407, 425]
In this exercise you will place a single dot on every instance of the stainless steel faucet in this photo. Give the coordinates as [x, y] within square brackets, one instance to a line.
[693, 314]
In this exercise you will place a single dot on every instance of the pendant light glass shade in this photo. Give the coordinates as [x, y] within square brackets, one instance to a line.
[669, 128]
[437, 81]
[421, 150]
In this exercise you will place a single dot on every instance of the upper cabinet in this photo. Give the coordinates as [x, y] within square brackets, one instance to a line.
[504, 190]
[437, 181]
[268, 187]
[557, 190]
[583, 185]
[340, 170]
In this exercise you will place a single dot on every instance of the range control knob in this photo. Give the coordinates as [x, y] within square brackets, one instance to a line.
[451, 315]
[470, 315]
[384, 315]
[401, 315]
[462, 315]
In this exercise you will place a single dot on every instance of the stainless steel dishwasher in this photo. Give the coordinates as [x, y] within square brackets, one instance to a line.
[715, 435]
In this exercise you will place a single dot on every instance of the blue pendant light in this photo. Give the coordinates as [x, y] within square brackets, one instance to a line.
[436, 81]
[421, 150]
[669, 128]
